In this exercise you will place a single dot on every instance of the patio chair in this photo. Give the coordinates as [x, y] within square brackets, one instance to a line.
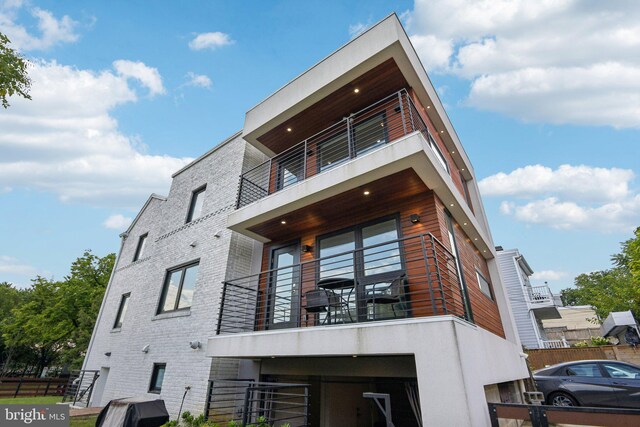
[385, 293]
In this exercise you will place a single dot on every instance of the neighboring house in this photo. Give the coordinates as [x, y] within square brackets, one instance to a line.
[530, 305]
[352, 257]
[576, 324]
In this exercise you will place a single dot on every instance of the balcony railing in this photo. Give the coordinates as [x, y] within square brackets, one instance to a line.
[555, 343]
[405, 278]
[372, 127]
[540, 295]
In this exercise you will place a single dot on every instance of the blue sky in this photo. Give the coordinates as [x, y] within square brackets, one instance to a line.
[544, 96]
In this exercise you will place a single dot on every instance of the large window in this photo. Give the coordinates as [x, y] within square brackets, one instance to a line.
[366, 135]
[195, 207]
[122, 310]
[179, 285]
[142, 241]
[377, 257]
[157, 376]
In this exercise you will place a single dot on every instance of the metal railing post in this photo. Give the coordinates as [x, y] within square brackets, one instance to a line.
[269, 176]
[304, 161]
[428, 273]
[224, 296]
[350, 139]
[245, 412]
[18, 388]
[404, 125]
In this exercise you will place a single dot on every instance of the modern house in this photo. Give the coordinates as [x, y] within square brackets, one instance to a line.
[329, 264]
[530, 304]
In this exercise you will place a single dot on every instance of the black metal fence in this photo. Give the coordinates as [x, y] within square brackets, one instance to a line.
[503, 414]
[247, 402]
[384, 121]
[80, 387]
[410, 277]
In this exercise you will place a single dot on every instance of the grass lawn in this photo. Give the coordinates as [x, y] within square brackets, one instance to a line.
[41, 400]
[83, 421]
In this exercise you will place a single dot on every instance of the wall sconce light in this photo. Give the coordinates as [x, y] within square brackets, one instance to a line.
[145, 349]
[195, 345]
[415, 218]
[306, 248]
[108, 354]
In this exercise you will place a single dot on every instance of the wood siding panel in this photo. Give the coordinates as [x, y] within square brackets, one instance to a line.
[432, 220]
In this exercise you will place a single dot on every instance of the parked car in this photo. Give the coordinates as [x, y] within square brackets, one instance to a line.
[590, 383]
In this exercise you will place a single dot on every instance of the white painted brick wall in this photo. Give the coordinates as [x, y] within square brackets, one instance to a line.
[168, 245]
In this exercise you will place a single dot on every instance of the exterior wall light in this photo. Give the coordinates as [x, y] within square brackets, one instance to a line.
[415, 218]
[306, 248]
[145, 349]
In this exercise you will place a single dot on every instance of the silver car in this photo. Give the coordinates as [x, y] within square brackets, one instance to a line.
[590, 383]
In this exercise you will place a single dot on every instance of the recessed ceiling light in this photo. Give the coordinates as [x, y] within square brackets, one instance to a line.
[464, 223]
[288, 129]
[441, 131]
[476, 239]
[366, 192]
[453, 152]
[462, 169]
[451, 205]
[283, 222]
[428, 106]
[484, 250]
[356, 90]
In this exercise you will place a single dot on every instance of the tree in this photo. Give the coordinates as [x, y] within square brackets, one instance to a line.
[10, 298]
[57, 318]
[615, 289]
[13, 73]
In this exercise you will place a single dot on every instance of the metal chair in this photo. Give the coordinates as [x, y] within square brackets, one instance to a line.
[386, 293]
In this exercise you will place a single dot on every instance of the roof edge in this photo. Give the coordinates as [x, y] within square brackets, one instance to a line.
[146, 204]
[208, 153]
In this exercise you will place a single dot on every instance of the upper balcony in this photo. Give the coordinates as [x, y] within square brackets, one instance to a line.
[384, 121]
[542, 302]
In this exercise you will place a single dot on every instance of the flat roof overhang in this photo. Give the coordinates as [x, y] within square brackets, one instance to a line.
[384, 41]
[409, 152]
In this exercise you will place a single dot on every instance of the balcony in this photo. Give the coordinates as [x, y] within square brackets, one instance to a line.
[542, 303]
[378, 124]
[397, 279]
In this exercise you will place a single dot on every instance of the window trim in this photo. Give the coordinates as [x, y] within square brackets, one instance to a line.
[154, 377]
[142, 239]
[165, 283]
[117, 324]
[479, 276]
[194, 196]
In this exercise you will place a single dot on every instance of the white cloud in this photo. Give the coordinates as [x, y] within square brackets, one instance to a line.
[549, 275]
[65, 140]
[147, 76]
[52, 30]
[356, 29]
[198, 80]
[558, 61]
[11, 265]
[210, 41]
[117, 222]
[571, 182]
[570, 197]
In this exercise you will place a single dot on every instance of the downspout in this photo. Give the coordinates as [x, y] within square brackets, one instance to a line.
[123, 237]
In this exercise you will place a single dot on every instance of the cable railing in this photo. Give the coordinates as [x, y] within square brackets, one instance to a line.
[398, 279]
[372, 127]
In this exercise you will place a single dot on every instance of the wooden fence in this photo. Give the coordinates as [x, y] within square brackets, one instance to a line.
[538, 359]
[31, 387]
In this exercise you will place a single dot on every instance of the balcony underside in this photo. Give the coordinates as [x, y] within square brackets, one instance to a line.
[342, 188]
[546, 311]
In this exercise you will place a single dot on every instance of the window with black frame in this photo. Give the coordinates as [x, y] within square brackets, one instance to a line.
[179, 285]
[157, 377]
[368, 255]
[370, 133]
[122, 310]
[366, 135]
